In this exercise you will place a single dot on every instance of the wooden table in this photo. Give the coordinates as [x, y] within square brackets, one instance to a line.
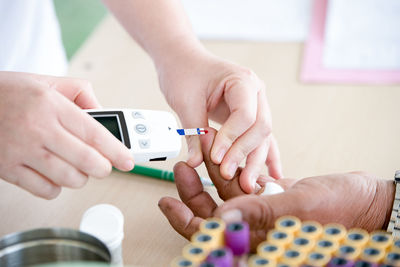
[320, 129]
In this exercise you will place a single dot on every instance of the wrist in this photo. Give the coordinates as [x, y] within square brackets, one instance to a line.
[377, 215]
[173, 53]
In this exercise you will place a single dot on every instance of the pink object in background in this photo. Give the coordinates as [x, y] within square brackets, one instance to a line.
[313, 70]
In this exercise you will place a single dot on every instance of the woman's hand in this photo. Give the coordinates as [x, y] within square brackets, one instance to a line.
[199, 87]
[47, 141]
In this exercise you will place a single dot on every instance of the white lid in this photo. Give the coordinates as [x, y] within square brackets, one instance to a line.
[105, 222]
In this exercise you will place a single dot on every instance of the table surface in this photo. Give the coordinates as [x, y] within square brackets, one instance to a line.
[320, 129]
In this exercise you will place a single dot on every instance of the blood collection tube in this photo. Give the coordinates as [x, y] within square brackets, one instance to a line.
[221, 257]
[182, 262]
[258, 261]
[335, 232]
[237, 237]
[279, 238]
[317, 259]
[340, 262]
[311, 229]
[362, 263]
[207, 264]
[205, 241]
[380, 239]
[194, 253]
[348, 252]
[395, 247]
[303, 244]
[285, 265]
[293, 257]
[392, 258]
[289, 224]
[269, 251]
[357, 237]
[372, 254]
[214, 227]
[326, 246]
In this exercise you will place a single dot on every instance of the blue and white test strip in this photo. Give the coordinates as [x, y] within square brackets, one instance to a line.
[193, 131]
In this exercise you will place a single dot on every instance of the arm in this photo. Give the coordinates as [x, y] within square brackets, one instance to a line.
[200, 86]
[160, 27]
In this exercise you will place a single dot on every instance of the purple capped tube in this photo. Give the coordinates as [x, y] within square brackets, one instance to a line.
[237, 238]
[221, 257]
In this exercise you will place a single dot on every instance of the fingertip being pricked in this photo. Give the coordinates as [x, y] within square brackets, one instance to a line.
[195, 158]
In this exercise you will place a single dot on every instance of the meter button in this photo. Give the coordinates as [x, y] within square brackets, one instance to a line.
[141, 128]
[144, 143]
[137, 115]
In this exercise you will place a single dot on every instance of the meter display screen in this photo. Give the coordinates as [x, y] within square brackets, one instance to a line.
[112, 124]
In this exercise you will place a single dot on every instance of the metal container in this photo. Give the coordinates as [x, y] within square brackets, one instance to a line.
[50, 245]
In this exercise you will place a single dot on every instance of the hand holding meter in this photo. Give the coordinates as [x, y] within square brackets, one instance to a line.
[150, 135]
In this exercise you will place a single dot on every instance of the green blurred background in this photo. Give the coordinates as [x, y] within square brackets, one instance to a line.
[78, 19]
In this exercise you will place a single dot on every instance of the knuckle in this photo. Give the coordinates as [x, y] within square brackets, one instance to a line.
[88, 159]
[240, 152]
[85, 85]
[248, 117]
[74, 179]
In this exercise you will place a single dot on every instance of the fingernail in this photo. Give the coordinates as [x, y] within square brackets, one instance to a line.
[257, 188]
[232, 169]
[129, 165]
[219, 155]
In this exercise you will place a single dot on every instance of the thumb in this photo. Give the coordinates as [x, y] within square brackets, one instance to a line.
[78, 91]
[192, 116]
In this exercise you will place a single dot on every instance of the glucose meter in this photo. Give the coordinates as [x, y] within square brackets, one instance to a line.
[149, 134]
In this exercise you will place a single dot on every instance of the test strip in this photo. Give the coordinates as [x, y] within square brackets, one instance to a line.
[193, 131]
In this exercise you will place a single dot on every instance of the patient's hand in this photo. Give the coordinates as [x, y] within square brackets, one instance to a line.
[354, 199]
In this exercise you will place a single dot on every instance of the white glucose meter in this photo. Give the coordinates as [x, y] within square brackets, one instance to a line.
[150, 135]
